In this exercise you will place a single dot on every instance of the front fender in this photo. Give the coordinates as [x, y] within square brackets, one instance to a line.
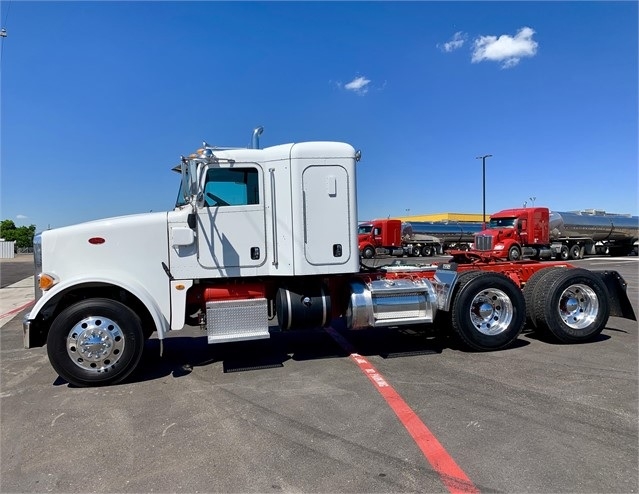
[52, 296]
[503, 246]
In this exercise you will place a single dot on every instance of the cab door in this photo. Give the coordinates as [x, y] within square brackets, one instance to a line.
[231, 227]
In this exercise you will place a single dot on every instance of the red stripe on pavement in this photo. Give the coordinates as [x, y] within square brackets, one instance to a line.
[453, 477]
[17, 309]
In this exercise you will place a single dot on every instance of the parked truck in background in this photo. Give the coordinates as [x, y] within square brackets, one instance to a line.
[396, 238]
[392, 237]
[540, 234]
[265, 240]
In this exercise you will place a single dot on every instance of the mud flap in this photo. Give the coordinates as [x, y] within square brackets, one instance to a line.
[620, 305]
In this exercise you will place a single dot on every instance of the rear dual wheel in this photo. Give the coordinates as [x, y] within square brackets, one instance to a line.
[576, 252]
[570, 304]
[488, 310]
[529, 289]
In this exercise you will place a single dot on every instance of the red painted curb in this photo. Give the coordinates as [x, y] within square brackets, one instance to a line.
[17, 309]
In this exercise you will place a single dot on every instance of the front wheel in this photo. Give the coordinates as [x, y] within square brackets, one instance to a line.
[488, 311]
[95, 342]
[514, 253]
[368, 252]
[572, 304]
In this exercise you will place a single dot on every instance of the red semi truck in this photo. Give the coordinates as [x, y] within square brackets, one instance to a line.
[541, 234]
[383, 236]
[386, 236]
[391, 236]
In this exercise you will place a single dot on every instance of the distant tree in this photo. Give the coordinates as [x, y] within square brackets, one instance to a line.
[23, 235]
[6, 225]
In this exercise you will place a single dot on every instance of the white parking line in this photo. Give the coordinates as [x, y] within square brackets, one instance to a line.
[609, 259]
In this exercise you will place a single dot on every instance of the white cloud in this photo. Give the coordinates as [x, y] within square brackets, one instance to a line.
[21, 217]
[506, 49]
[456, 42]
[358, 85]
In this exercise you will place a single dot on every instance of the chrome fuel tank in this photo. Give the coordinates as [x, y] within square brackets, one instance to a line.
[390, 303]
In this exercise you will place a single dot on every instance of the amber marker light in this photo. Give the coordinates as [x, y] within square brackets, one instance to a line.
[46, 281]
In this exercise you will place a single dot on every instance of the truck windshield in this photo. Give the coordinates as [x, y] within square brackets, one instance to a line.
[364, 229]
[502, 223]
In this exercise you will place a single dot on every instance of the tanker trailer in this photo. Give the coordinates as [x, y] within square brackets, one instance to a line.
[575, 233]
[440, 236]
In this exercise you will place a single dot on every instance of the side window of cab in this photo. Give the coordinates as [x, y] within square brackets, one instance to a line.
[231, 187]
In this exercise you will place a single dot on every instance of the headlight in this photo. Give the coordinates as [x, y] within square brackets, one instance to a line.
[499, 247]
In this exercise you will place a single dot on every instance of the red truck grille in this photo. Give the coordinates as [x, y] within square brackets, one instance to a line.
[483, 242]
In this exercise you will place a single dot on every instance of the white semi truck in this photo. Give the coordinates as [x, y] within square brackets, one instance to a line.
[265, 240]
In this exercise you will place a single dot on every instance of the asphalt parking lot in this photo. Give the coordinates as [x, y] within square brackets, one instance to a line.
[297, 414]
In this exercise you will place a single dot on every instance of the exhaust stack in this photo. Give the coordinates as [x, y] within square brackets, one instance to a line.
[255, 142]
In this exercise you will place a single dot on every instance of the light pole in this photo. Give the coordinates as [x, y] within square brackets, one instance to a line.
[483, 167]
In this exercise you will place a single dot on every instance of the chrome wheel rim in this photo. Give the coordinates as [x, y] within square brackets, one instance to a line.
[578, 306]
[491, 312]
[95, 344]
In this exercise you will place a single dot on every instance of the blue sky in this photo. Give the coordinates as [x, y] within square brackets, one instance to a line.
[99, 100]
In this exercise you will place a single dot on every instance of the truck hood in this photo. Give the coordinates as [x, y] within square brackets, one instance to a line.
[121, 241]
[499, 232]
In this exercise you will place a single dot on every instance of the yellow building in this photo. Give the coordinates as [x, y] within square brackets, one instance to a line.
[446, 217]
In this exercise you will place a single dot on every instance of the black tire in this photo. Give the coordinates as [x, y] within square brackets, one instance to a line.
[563, 253]
[95, 342]
[529, 289]
[368, 252]
[572, 305]
[514, 253]
[488, 310]
[427, 251]
[574, 252]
